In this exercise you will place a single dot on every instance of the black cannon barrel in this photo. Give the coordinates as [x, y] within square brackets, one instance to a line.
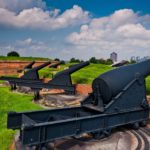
[42, 66]
[73, 68]
[55, 65]
[76, 67]
[29, 66]
[32, 74]
[112, 82]
[63, 78]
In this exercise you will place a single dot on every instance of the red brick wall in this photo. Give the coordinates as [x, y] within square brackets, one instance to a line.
[11, 67]
[84, 89]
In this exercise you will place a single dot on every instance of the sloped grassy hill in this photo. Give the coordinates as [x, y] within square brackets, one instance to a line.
[22, 58]
[20, 102]
[85, 75]
[12, 102]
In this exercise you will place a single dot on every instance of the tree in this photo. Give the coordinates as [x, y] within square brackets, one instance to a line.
[73, 60]
[101, 61]
[93, 60]
[13, 53]
[109, 61]
[63, 62]
[57, 59]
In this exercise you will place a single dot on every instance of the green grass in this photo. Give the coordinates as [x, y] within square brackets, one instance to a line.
[85, 75]
[89, 73]
[12, 102]
[22, 58]
[20, 102]
[148, 85]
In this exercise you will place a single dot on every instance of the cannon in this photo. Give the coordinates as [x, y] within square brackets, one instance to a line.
[61, 80]
[118, 99]
[55, 65]
[119, 64]
[29, 66]
[64, 78]
[32, 74]
[112, 82]
[28, 77]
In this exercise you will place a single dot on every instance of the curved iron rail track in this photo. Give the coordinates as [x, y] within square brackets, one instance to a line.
[146, 131]
[146, 142]
[140, 135]
[139, 141]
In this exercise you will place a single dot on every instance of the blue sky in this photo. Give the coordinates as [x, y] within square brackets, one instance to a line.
[102, 7]
[75, 28]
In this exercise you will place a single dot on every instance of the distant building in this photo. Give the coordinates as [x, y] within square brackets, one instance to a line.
[145, 58]
[139, 59]
[133, 58]
[113, 57]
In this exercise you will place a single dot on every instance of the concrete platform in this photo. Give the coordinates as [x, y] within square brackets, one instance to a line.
[124, 139]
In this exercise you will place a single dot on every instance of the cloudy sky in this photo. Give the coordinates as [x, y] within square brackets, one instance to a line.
[75, 28]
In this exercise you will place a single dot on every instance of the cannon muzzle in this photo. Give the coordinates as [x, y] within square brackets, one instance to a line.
[55, 65]
[76, 67]
[29, 66]
[42, 66]
[64, 78]
[32, 74]
[112, 82]
[73, 68]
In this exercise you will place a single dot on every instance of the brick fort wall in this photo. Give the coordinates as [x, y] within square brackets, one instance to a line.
[12, 67]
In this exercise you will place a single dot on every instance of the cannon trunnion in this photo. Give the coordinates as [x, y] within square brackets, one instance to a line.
[98, 114]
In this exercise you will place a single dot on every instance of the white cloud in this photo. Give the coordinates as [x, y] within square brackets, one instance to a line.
[38, 18]
[29, 42]
[25, 42]
[27, 47]
[19, 5]
[123, 32]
